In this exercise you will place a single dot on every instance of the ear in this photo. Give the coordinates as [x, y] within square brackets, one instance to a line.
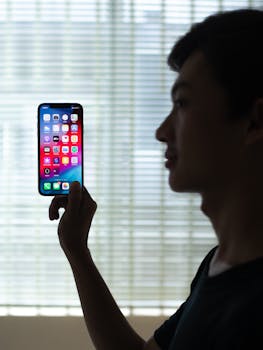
[255, 125]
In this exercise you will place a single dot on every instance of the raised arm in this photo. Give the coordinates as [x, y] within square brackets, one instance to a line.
[107, 326]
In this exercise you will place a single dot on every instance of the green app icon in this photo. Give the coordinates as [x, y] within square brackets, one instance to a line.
[47, 186]
[56, 186]
[74, 149]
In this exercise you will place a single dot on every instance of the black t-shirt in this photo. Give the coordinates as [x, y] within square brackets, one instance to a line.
[222, 312]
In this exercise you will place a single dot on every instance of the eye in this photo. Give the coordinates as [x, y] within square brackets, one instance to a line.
[180, 102]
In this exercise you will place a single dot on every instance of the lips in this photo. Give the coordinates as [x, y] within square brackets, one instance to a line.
[169, 155]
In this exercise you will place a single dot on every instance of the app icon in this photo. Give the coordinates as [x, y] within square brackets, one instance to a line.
[46, 149]
[65, 138]
[74, 138]
[46, 139]
[47, 186]
[46, 128]
[47, 171]
[55, 128]
[74, 160]
[65, 186]
[56, 117]
[74, 127]
[46, 117]
[56, 186]
[46, 160]
[65, 149]
[56, 160]
[64, 117]
[74, 117]
[55, 138]
[56, 149]
[56, 171]
[74, 149]
[65, 127]
[65, 160]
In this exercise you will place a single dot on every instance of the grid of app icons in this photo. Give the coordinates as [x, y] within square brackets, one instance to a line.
[60, 148]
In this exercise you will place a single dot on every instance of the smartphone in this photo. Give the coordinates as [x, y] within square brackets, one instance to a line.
[60, 147]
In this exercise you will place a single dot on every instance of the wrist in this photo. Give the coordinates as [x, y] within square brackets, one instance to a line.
[78, 256]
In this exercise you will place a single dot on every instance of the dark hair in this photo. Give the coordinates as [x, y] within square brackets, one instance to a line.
[232, 43]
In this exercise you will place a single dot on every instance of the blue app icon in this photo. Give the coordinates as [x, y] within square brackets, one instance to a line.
[74, 127]
[56, 160]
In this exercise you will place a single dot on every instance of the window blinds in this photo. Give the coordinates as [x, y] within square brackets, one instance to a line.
[110, 56]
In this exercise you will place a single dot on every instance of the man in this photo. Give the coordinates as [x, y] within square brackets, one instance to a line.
[214, 137]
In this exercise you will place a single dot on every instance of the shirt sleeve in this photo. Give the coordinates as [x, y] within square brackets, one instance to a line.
[164, 334]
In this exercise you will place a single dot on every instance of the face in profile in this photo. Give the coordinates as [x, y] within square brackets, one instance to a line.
[207, 145]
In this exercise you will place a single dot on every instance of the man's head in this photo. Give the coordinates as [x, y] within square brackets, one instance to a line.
[215, 129]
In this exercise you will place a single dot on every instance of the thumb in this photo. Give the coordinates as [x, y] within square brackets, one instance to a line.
[74, 198]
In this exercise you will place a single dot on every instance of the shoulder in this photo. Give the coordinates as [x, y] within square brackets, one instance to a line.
[165, 332]
[204, 266]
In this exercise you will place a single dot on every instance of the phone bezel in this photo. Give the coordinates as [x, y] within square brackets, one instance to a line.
[59, 105]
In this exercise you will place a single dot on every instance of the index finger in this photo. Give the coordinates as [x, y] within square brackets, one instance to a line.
[59, 201]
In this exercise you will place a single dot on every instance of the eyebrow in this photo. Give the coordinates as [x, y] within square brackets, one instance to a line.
[178, 85]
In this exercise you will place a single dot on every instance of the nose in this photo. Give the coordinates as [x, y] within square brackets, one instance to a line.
[164, 131]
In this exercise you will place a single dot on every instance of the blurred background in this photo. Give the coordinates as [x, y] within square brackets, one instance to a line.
[147, 241]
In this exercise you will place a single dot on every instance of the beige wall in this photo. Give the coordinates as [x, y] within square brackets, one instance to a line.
[58, 333]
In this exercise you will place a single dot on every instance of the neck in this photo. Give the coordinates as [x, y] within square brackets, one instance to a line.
[236, 216]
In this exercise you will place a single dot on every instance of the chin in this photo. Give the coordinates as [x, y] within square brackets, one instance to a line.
[176, 186]
[183, 184]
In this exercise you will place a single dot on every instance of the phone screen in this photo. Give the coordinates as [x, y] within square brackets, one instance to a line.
[60, 147]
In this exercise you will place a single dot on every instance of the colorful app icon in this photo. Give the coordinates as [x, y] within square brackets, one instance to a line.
[47, 186]
[65, 160]
[65, 138]
[65, 149]
[74, 149]
[55, 138]
[56, 171]
[74, 160]
[46, 139]
[74, 127]
[74, 138]
[46, 117]
[56, 149]
[65, 128]
[64, 117]
[46, 160]
[65, 186]
[46, 128]
[55, 128]
[56, 117]
[56, 160]
[56, 186]
[47, 171]
[46, 149]
[74, 117]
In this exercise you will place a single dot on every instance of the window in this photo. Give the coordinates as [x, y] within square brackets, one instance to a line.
[110, 56]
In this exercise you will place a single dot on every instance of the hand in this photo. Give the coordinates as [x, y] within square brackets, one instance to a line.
[74, 225]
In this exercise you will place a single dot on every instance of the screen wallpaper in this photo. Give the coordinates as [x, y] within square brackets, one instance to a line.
[60, 147]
